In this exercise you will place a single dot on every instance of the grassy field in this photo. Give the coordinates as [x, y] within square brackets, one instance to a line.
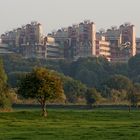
[70, 125]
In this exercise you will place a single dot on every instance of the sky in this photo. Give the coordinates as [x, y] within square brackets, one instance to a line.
[54, 14]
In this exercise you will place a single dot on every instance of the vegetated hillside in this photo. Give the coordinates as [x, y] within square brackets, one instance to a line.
[91, 71]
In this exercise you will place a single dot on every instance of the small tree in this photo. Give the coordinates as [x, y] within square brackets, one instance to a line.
[5, 99]
[42, 85]
[134, 95]
[119, 82]
[118, 96]
[91, 96]
[73, 89]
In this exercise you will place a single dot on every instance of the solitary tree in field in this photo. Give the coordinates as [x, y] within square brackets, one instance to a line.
[42, 85]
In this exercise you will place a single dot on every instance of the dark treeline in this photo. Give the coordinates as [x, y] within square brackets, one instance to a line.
[112, 80]
[91, 71]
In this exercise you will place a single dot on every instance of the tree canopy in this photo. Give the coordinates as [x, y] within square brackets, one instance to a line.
[134, 95]
[92, 96]
[111, 79]
[74, 89]
[134, 65]
[42, 85]
[119, 82]
[5, 101]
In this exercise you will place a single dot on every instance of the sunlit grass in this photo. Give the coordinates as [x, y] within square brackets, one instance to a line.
[70, 125]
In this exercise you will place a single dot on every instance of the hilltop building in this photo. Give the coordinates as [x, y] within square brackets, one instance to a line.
[31, 43]
[77, 40]
[28, 34]
[81, 40]
[122, 42]
[103, 47]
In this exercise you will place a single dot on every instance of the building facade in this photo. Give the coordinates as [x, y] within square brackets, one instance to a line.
[103, 47]
[78, 40]
[31, 43]
[29, 34]
[73, 42]
[122, 42]
[138, 46]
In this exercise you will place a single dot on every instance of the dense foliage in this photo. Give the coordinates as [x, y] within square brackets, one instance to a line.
[92, 72]
[119, 82]
[42, 85]
[5, 98]
[92, 96]
[73, 89]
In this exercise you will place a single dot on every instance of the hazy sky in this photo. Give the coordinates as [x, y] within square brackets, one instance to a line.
[54, 14]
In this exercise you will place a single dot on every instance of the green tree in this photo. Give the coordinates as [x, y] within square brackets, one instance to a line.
[119, 82]
[119, 68]
[5, 102]
[95, 69]
[73, 89]
[42, 85]
[92, 96]
[134, 95]
[134, 66]
[118, 96]
[15, 77]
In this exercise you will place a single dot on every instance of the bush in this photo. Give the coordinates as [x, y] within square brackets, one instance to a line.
[5, 102]
[92, 96]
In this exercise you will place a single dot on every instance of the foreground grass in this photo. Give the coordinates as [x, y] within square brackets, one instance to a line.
[70, 125]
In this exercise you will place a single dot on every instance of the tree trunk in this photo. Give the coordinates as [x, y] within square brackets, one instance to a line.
[44, 111]
[137, 106]
[129, 107]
